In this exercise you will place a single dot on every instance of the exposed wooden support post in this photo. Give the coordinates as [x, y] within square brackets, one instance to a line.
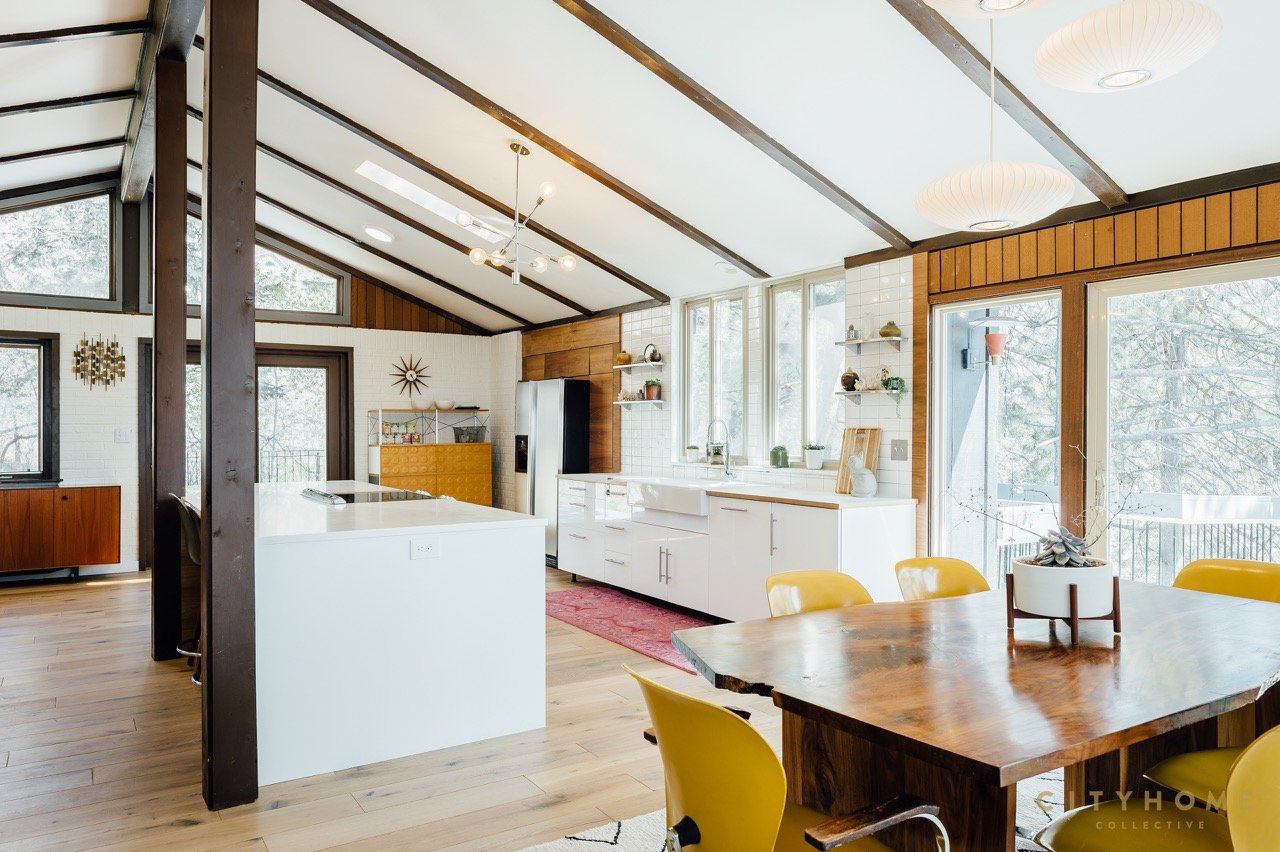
[974, 65]
[170, 348]
[173, 29]
[229, 696]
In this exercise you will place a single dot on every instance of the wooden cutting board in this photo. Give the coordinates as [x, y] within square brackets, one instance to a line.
[854, 439]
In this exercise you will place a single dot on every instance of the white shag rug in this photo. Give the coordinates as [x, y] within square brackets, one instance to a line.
[1039, 801]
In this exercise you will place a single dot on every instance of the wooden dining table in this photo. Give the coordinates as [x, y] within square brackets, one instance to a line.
[939, 699]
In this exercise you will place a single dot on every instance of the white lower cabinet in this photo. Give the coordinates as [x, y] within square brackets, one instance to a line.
[581, 551]
[805, 538]
[670, 565]
[740, 557]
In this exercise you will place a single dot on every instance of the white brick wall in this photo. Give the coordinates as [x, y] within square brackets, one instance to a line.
[879, 292]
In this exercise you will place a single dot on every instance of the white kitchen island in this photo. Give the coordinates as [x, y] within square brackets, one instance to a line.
[390, 629]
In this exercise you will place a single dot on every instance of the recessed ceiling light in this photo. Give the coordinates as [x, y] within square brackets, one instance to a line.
[426, 200]
[723, 266]
[378, 234]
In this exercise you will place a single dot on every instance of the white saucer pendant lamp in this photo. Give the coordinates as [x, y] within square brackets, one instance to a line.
[1128, 45]
[983, 8]
[995, 196]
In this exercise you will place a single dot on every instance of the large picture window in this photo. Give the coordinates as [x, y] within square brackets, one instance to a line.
[806, 318]
[716, 369]
[283, 284]
[60, 249]
[28, 407]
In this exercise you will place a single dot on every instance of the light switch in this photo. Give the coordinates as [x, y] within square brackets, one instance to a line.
[898, 450]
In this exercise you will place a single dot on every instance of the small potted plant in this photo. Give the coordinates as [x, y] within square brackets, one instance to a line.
[1041, 581]
[653, 389]
[715, 453]
[813, 454]
[778, 457]
[691, 453]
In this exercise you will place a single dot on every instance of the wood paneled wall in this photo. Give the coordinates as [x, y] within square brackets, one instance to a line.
[1213, 229]
[375, 306]
[1214, 223]
[584, 350]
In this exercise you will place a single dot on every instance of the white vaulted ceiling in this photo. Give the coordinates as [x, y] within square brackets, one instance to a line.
[849, 87]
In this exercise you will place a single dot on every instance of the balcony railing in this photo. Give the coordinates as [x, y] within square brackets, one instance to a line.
[273, 466]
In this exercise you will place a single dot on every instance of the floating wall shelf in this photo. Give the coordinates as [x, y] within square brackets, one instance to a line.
[856, 396]
[626, 402]
[856, 343]
[639, 365]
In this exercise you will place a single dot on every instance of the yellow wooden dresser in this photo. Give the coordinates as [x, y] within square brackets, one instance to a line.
[461, 471]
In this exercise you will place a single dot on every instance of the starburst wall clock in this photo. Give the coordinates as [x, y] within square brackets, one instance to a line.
[410, 375]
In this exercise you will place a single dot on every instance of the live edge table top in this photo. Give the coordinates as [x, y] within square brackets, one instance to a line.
[946, 682]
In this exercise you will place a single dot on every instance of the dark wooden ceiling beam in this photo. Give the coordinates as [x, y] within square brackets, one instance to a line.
[76, 148]
[543, 140]
[384, 255]
[404, 154]
[624, 40]
[173, 29]
[1174, 192]
[118, 28]
[934, 27]
[68, 102]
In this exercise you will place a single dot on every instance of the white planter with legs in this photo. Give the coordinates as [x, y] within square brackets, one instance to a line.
[1045, 589]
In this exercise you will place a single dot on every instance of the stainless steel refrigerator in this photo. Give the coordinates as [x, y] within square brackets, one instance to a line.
[552, 437]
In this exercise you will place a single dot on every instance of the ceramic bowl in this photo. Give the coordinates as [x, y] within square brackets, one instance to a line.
[444, 404]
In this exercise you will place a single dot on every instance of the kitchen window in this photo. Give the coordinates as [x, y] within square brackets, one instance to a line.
[28, 407]
[715, 380]
[806, 319]
[56, 253]
[287, 287]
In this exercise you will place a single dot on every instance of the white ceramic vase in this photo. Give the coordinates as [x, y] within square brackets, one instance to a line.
[862, 480]
[1044, 589]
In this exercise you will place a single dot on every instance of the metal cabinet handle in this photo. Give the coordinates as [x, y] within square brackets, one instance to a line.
[667, 550]
[614, 561]
[571, 503]
[660, 577]
[577, 487]
[612, 527]
[731, 509]
[773, 548]
[575, 535]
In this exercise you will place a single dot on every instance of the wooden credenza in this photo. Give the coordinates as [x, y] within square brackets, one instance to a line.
[45, 528]
[461, 471]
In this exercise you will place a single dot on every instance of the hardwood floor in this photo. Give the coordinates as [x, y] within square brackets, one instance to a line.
[100, 747]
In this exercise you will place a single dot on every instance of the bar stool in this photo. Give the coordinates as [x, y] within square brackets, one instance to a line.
[189, 518]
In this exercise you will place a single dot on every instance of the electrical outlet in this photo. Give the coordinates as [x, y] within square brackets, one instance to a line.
[898, 450]
[122, 435]
[424, 548]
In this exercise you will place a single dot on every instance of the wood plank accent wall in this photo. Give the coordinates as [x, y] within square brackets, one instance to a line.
[375, 306]
[1222, 228]
[1103, 247]
[584, 350]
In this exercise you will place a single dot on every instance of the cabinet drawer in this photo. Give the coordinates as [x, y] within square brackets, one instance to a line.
[464, 458]
[26, 529]
[580, 552]
[617, 568]
[467, 487]
[86, 526]
[410, 482]
[406, 460]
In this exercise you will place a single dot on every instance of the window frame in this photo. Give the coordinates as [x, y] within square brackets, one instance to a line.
[342, 315]
[709, 301]
[113, 302]
[801, 284]
[47, 342]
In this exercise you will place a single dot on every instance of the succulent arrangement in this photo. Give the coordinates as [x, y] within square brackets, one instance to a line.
[1062, 548]
[815, 446]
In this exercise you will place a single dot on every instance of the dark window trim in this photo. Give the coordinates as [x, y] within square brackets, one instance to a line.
[50, 434]
[314, 261]
[61, 195]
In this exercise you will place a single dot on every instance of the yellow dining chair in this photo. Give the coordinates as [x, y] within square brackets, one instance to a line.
[1203, 774]
[929, 577]
[793, 592]
[726, 790]
[1251, 824]
[1240, 578]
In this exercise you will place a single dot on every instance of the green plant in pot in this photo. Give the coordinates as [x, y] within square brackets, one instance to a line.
[813, 456]
[653, 389]
[778, 457]
[1041, 581]
[715, 453]
[691, 453]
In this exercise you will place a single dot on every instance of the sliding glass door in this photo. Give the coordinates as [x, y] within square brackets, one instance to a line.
[1184, 417]
[996, 429]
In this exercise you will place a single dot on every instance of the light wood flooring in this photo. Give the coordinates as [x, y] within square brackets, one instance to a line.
[100, 747]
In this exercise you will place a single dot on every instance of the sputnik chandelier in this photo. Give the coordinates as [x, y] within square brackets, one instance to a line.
[509, 254]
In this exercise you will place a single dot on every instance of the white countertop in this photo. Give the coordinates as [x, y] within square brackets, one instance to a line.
[283, 514]
[736, 488]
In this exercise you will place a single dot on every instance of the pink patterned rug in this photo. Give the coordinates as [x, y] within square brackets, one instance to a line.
[624, 619]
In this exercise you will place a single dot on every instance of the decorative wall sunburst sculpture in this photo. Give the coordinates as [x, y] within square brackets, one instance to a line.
[409, 374]
[98, 362]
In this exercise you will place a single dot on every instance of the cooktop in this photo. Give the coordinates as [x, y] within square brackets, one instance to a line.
[341, 498]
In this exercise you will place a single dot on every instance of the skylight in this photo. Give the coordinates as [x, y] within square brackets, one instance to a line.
[423, 198]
